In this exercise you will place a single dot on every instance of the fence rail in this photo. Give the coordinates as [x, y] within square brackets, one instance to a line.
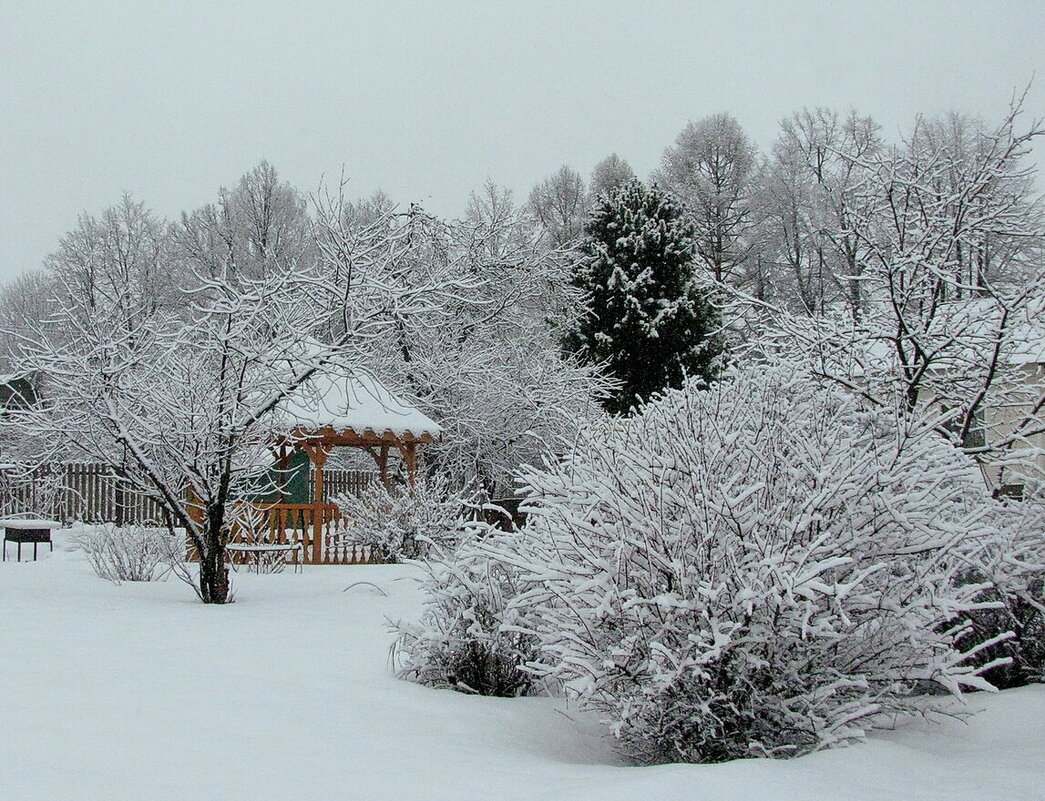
[320, 531]
[94, 493]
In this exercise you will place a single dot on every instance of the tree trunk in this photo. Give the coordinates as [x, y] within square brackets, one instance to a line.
[214, 577]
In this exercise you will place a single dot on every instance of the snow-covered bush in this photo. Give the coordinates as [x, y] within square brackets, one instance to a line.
[468, 638]
[127, 553]
[757, 568]
[404, 522]
[752, 569]
[1014, 564]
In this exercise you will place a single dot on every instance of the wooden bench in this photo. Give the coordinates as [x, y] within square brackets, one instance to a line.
[262, 550]
[34, 531]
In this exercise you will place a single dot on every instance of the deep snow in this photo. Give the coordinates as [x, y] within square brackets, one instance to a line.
[140, 692]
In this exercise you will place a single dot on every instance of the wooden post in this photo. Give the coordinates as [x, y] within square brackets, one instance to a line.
[119, 500]
[195, 509]
[318, 455]
[382, 466]
[283, 453]
[409, 451]
[195, 504]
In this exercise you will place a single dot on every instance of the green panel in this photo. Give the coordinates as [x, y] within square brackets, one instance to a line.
[297, 485]
[295, 481]
[18, 393]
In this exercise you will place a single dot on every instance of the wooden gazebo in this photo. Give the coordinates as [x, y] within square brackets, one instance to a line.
[339, 409]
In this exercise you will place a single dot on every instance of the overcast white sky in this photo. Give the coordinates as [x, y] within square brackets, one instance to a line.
[170, 101]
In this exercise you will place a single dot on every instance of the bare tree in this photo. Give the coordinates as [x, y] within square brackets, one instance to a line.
[258, 226]
[487, 364]
[360, 214]
[610, 174]
[709, 168]
[23, 301]
[805, 205]
[122, 258]
[495, 226]
[942, 329]
[560, 205]
[785, 239]
[184, 404]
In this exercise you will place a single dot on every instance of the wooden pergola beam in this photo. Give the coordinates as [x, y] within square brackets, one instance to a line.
[317, 454]
[409, 452]
[378, 445]
[351, 438]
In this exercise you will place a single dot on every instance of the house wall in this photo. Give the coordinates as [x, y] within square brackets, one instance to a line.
[1027, 462]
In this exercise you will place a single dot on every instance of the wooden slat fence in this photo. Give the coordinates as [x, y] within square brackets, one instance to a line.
[341, 482]
[92, 493]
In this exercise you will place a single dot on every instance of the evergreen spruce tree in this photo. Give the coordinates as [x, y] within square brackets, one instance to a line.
[649, 321]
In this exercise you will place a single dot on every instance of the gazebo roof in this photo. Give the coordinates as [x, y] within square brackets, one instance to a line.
[354, 409]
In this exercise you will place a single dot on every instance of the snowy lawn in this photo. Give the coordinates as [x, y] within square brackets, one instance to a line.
[141, 692]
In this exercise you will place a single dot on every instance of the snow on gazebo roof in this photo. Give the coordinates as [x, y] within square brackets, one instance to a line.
[346, 402]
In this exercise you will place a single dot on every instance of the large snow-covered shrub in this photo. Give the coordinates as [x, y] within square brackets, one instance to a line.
[406, 522]
[750, 569]
[753, 569]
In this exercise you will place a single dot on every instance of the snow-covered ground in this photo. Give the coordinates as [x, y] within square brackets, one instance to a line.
[141, 692]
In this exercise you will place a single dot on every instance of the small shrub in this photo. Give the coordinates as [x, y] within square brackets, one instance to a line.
[467, 638]
[128, 553]
[404, 522]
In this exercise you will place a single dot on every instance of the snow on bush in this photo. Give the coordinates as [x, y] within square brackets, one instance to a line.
[1014, 565]
[753, 569]
[468, 638]
[127, 553]
[404, 522]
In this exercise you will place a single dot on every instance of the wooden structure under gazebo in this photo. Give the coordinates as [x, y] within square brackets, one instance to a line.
[334, 411]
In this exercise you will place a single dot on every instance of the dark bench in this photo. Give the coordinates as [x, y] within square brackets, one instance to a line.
[34, 531]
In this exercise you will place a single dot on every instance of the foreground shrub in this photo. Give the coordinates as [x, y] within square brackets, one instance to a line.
[127, 553]
[754, 569]
[468, 638]
[758, 568]
[403, 522]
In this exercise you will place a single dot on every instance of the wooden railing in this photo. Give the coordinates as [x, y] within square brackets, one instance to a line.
[93, 493]
[319, 528]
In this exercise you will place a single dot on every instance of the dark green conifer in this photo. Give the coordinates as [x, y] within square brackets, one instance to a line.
[650, 320]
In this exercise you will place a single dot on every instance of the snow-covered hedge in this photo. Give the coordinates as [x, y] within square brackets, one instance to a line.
[751, 569]
[403, 522]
